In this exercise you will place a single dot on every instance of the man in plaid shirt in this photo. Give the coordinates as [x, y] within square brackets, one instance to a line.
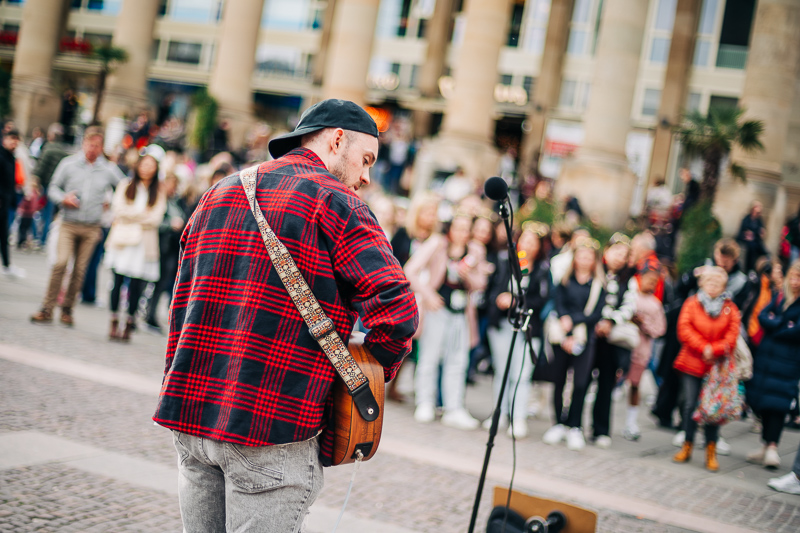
[247, 388]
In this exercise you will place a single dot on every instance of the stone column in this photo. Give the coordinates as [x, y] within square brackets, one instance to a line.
[126, 91]
[470, 112]
[320, 59]
[437, 33]
[599, 176]
[676, 79]
[466, 138]
[769, 94]
[350, 50]
[33, 98]
[548, 83]
[231, 77]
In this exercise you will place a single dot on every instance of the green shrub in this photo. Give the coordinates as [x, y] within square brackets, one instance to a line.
[205, 120]
[700, 231]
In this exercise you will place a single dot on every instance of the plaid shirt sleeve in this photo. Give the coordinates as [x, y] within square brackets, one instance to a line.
[381, 296]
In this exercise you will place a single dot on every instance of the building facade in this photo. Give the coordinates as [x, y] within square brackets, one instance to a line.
[586, 90]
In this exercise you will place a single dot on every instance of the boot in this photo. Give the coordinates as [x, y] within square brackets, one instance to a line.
[130, 325]
[42, 317]
[113, 333]
[685, 454]
[712, 465]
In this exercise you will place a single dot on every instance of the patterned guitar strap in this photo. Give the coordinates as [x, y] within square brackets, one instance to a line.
[319, 325]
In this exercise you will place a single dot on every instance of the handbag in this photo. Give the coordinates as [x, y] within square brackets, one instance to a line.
[123, 234]
[720, 401]
[743, 360]
[555, 334]
[625, 335]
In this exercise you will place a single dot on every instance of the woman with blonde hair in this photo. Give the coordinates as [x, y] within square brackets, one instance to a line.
[422, 220]
[132, 250]
[579, 299]
[708, 327]
[776, 368]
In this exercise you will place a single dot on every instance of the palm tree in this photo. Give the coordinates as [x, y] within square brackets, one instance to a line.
[713, 136]
[110, 58]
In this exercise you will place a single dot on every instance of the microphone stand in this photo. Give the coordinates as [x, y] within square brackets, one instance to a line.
[520, 322]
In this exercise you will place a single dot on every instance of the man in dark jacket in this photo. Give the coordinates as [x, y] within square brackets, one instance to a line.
[247, 388]
[8, 197]
[52, 154]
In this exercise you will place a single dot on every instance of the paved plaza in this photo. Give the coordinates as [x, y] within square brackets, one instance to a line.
[79, 452]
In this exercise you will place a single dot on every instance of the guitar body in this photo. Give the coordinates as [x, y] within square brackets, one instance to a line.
[351, 431]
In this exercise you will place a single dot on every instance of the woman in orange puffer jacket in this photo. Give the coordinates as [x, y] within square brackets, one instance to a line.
[708, 327]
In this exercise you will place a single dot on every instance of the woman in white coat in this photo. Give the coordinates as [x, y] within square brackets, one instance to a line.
[132, 245]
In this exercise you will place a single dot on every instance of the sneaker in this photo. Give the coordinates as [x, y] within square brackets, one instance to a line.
[575, 440]
[425, 413]
[555, 434]
[788, 484]
[502, 425]
[603, 442]
[518, 430]
[13, 272]
[723, 448]
[757, 456]
[679, 439]
[631, 433]
[42, 317]
[771, 458]
[460, 419]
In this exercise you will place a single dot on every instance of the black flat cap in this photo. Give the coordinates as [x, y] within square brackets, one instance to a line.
[332, 113]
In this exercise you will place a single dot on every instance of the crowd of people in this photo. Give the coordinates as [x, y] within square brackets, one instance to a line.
[601, 310]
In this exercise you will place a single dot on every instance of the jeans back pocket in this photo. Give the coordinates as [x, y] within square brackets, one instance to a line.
[255, 468]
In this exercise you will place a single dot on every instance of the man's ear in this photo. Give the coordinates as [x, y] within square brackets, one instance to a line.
[337, 140]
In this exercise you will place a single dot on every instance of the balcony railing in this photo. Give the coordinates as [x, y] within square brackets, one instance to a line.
[732, 56]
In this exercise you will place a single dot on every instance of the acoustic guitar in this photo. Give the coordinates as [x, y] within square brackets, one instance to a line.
[351, 433]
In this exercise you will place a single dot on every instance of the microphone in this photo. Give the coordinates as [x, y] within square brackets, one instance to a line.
[496, 189]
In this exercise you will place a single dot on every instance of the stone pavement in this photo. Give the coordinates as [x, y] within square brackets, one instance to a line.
[78, 451]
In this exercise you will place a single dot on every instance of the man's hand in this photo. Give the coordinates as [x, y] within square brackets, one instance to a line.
[566, 323]
[603, 328]
[71, 201]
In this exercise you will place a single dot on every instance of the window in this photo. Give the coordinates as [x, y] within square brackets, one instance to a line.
[567, 96]
[693, 102]
[702, 49]
[652, 99]
[515, 28]
[659, 53]
[197, 11]
[291, 15]
[388, 18]
[107, 7]
[535, 25]
[665, 16]
[181, 52]
[708, 17]
[582, 11]
[722, 102]
[97, 38]
[281, 60]
[527, 84]
[577, 43]
[154, 49]
[505, 79]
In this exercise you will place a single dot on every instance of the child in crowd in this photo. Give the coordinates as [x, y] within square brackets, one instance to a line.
[30, 204]
[652, 324]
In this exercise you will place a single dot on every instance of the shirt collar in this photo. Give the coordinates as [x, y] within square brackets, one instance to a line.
[305, 153]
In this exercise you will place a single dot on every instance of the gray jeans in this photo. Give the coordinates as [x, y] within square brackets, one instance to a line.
[230, 488]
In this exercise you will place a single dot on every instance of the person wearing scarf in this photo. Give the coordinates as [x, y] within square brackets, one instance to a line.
[708, 327]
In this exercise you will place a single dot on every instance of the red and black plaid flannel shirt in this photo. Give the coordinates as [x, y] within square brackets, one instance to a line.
[241, 365]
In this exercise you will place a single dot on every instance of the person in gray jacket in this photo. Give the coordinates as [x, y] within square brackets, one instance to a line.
[79, 186]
